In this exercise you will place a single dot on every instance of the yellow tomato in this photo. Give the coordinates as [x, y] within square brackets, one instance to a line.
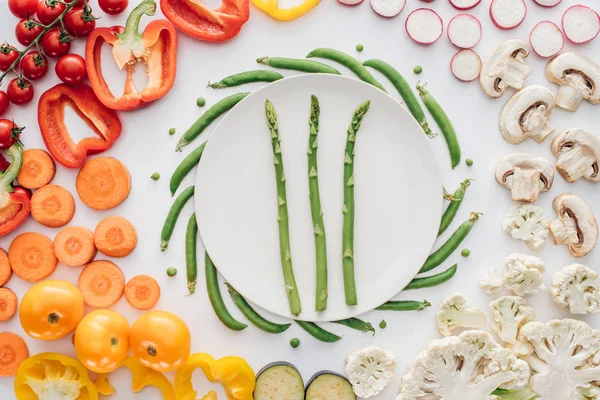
[102, 340]
[51, 310]
[160, 340]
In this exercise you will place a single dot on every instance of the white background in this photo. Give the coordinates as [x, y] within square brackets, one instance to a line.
[146, 147]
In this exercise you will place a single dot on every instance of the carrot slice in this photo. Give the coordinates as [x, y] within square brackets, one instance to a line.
[31, 256]
[101, 284]
[38, 169]
[13, 351]
[8, 304]
[115, 237]
[74, 246]
[5, 270]
[52, 206]
[142, 292]
[103, 183]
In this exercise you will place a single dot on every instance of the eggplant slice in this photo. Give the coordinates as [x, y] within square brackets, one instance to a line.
[279, 381]
[328, 385]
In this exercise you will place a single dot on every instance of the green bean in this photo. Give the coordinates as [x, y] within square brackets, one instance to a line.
[246, 77]
[208, 118]
[357, 324]
[441, 254]
[317, 332]
[443, 122]
[185, 167]
[403, 89]
[255, 318]
[216, 300]
[456, 200]
[296, 64]
[433, 280]
[404, 305]
[172, 216]
[347, 61]
[191, 262]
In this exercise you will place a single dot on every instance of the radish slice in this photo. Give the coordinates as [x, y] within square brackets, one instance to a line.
[388, 8]
[464, 31]
[547, 3]
[350, 2]
[464, 4]
[580, 24]
[466, 65]
[546, 39]
[508, 14]
[424, 26]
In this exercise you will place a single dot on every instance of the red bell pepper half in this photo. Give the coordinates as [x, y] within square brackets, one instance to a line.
[15, 206]
[200, 22]
[51, 118]
[156, 47]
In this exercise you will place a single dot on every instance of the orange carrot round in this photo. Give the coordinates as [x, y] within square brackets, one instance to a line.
[38, 169]
[5, 270]
[52, 206]
[31, 256]
[115, 237]
[142, 292]
[103, 183]
[74, 246]
[101, 284]
[13, 351]
[8, 304]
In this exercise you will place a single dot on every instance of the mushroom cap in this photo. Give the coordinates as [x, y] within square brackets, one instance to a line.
[580, 222]
[587, 147]
[518, 108]
[495, 65]
[512, 162]
[565, 64]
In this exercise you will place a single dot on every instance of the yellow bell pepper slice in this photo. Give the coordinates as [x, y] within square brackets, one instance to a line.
[233, 373]
[53, 376]
[271, 7]
[142, 377]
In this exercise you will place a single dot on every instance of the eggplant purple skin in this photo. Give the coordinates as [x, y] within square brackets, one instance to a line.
[325, 372]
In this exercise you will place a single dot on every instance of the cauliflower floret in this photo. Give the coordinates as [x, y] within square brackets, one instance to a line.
[370, 370]
[492, 282]
[527, 222]
[524, 274]
[577, 287]
[510, 313]
[455, 313]
[469, 366]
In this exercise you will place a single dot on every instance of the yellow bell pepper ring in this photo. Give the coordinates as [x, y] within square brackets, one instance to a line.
[271, 7]
[233, 373]
[53, 376]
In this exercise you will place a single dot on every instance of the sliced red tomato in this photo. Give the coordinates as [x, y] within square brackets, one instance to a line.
[27, 30]
[34, 65]
[19, 91]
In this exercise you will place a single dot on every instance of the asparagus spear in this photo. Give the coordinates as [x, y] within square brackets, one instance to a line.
[348, 233]
[284, 231]
[315, 207]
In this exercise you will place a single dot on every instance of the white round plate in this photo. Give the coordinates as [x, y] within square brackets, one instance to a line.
[398, 195]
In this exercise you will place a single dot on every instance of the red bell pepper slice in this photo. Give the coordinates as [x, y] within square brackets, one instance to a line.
[200, 22]
[51, 118]
[156, 47]
[15, 206]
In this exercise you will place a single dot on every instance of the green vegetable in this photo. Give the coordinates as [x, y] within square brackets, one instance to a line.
[295, 342]
[201, 102]
[404, 305]
[356, 324]
[171, 271]
[296, 64]
[469, 162]
[348, 227]
[246, 77]
[191, 263]
[347, 61]
[184, 168]
[456, 200]
[418, 69]
[360, 47]
[403, 89]
[465, 253]
[284, 230]
[315, 207]
[216, 300]
[317, 332]
[172, 131]
[433, 280]
[208, 118]
[173, 215]
[255, 318]
[443, 122]
[155, 176]
[382, 324]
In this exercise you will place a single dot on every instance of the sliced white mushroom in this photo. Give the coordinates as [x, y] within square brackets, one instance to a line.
[578, 154]
[578, 77]
[526, 115]
[575, 226]
[526, 175]
[505, 67]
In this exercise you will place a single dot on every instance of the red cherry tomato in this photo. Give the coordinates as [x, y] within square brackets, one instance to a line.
[34, 65]
[19, 91]
[8, 55]
[22, 190]
[81, 4]
[9, 133]
[56, 43]
[113, 7]
[71, 69]
[3, 101]
[22, 8]
[80, 21]
[48, 11]
[27, 31]
[117, 29]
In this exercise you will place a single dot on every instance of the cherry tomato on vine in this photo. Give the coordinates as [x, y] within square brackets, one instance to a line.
[81, 3]
[113, 7]
[19, 91]
[27, 30]
[80, 21]
[48, 11]
[56, 43]
[22, 8]
[22, 190]
[71, 69]
[8, 55]
[3, 101]
[34, 65]
[9, 133]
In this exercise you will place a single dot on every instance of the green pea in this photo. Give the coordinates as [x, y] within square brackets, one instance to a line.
[201, 102]
[172, 131]
[465, 253]
[295, 342]
[171, 271]
[360, 47]
[469, 162]
[383, 324]
[155, 176]
[418, 69]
